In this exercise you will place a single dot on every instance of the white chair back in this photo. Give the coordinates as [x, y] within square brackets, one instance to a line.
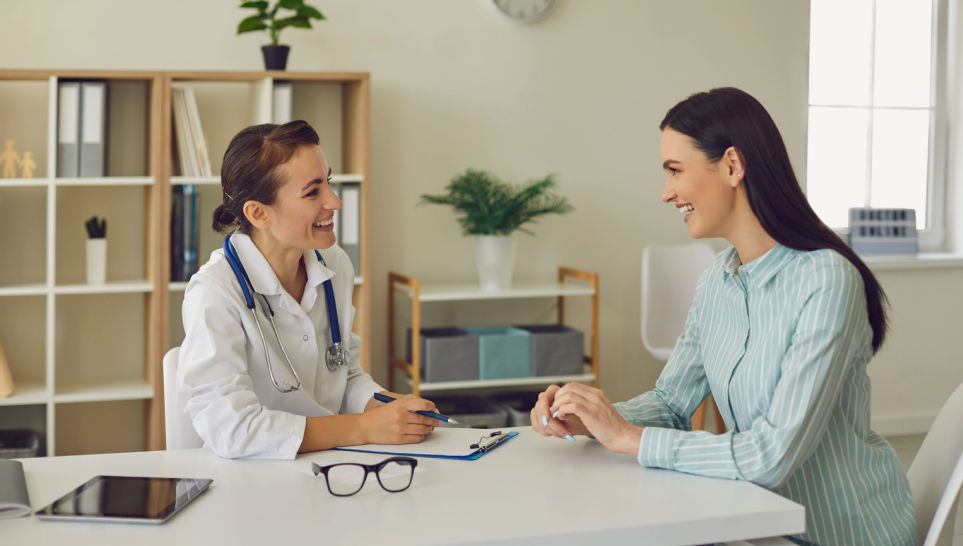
[669, 276]
[179, 428]
[936, 474]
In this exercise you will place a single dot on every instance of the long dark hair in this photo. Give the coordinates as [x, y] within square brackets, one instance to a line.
[250, 168]
[728, 117]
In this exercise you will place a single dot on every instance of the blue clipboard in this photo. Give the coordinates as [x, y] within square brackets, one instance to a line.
[465, 444]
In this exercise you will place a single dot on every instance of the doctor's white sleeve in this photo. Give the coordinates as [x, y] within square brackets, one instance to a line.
[214, 387]
[360, 387]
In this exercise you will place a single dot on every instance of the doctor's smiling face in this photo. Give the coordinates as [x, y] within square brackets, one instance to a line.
[701, 190]
[302, 215]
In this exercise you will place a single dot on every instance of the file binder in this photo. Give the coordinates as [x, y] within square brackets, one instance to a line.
[351, 222]
[283, 92]
[466, 444]
[93, 123]
[68, 129]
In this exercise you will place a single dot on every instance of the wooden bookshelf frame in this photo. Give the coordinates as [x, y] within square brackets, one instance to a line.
[587, 285]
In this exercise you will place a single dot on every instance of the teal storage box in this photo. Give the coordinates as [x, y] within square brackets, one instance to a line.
[503, 352]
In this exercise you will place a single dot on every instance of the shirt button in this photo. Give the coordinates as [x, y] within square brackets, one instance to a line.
[305, 338]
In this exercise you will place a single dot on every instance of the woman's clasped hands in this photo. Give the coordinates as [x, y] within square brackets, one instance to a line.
[563, 412]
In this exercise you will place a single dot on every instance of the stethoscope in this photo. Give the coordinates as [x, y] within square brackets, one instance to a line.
[335, 356]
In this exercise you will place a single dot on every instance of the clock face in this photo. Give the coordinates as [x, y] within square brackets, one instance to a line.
[525, 11]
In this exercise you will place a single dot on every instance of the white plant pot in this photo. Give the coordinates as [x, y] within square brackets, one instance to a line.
[495, 260]
[96, 261]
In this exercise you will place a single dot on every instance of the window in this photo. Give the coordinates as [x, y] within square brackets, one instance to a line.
[873, 110]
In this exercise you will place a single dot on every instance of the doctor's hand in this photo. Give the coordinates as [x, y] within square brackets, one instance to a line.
[595, 412]
[562, 426]
[397, 422]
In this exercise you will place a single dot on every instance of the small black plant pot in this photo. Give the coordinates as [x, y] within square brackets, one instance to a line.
[275, 56]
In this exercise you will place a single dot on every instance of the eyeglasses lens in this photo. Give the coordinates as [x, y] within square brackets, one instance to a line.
[345, 479]
[396, 475]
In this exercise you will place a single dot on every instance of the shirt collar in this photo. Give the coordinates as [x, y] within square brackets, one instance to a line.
[759, 271]
[262, 275]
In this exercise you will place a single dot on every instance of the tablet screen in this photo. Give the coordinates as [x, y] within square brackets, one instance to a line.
[126, 498]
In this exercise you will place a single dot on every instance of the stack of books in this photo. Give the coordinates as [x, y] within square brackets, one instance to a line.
[194, 162]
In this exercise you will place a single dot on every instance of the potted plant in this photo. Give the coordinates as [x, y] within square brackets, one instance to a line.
[269, 20]
[491, 211]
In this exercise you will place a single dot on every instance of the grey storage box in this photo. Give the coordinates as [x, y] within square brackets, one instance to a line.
[447, 354]
[17, 443]
[556, 349]
[517, 405]
[471, 410]
[503, 352]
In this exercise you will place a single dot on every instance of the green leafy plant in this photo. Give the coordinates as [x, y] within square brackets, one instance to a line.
[267, 18]
[487, 206]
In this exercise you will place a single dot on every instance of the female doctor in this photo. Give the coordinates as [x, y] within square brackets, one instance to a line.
[263, 371]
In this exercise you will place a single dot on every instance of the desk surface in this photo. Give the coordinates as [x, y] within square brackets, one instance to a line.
[531, 490]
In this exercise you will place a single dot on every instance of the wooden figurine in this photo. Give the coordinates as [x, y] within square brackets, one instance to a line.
[10, 160]
[27, 165]
[6, 379]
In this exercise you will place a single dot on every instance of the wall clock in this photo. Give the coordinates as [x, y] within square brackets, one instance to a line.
[525, 11]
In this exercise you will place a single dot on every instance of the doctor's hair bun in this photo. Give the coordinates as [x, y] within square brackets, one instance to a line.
[250, 171]
[223, 218]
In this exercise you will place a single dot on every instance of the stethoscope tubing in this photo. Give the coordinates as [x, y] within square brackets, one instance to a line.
[247, 288]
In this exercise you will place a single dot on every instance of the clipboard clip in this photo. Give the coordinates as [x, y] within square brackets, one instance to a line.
[489, 441]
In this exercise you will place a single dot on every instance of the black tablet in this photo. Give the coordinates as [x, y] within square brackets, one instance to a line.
[125, 499]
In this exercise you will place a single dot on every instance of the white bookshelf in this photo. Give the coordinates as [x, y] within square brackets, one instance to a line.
[104, 391]
[57, 328]
[27, 393]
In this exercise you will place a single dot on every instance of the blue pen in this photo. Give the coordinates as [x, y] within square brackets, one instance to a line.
[385, 399]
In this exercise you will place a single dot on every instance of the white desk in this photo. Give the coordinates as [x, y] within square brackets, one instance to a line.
[531, 490]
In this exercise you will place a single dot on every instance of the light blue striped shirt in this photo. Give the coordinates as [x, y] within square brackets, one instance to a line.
[782, 343]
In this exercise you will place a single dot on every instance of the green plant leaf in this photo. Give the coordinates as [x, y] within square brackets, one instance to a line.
[260, 5]
[294, 21]
[310, 12]
[291, 4]
[251, 24]
[486, 206]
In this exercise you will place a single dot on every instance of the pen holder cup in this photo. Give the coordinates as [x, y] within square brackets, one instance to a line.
[96, 261]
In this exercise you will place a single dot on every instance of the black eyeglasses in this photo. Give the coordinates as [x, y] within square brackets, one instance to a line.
[345, 479]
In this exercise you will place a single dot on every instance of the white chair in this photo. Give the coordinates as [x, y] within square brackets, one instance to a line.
[669, 276]
[936, 474]
[179, 428]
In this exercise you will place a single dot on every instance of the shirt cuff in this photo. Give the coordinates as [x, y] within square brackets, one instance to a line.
[657, 446]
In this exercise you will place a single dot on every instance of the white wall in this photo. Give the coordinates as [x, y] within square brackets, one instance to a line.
[580, 94]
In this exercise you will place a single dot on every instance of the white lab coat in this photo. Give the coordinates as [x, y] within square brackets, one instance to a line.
[222, 378]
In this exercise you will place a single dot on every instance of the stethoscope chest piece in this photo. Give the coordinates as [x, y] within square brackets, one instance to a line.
[335, 357]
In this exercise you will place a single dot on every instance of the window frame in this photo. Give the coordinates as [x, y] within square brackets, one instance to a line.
[933, 236]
